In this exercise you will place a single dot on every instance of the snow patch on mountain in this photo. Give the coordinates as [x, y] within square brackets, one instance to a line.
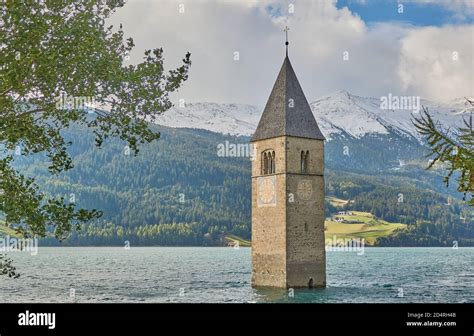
[338, 113]
[234, 119]
[358, 116]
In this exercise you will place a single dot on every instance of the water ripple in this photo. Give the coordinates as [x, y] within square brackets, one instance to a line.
[188, 274]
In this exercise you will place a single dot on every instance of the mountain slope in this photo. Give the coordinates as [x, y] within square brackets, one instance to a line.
[178, 191]
[340, 113]
[234, 119]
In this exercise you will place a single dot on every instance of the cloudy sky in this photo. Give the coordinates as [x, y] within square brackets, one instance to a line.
[367, 47]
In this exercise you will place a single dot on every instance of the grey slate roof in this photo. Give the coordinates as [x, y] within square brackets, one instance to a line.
[279, 118]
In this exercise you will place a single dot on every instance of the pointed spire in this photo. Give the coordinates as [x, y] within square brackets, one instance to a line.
[286, 43]
[287, 111]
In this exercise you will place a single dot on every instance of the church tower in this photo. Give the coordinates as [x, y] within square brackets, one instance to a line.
[288, 245]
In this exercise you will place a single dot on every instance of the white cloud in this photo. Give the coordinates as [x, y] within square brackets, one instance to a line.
[437, 63]
[383, 58]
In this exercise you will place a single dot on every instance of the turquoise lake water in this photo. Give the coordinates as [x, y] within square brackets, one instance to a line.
[201, 274]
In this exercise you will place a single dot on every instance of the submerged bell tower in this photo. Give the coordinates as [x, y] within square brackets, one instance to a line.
[288, 245]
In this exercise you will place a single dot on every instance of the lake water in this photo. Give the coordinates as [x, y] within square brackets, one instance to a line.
[200, 274]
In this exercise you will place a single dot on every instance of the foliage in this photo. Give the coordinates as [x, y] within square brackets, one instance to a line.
[453, 148]
[55, 57]
[6, 267]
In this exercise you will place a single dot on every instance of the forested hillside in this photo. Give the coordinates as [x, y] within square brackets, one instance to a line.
[179, 191]
[433, 218]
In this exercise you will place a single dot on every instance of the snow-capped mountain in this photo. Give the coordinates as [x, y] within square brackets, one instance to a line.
[337, 113]
[234, 119]
[357, 116]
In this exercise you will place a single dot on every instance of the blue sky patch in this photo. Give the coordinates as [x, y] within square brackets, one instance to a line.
[417, 14]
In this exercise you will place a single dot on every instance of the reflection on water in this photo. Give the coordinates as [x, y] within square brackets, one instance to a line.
[272, 294]
[278, 295]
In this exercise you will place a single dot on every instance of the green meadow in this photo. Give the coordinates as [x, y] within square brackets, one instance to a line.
[360, 225]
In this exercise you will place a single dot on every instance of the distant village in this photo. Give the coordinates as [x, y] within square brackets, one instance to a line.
[342, 219]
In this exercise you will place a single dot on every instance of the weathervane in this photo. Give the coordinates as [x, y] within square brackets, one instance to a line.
[286, 43]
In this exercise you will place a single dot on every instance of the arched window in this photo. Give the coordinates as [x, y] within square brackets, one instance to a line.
[268, 162]
[273, 163]
[264, 163]
[304, 161]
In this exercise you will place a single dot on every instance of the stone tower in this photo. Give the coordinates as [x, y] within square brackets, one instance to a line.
[288, 245]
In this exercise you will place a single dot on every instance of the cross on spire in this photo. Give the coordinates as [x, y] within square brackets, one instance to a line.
[286, 43]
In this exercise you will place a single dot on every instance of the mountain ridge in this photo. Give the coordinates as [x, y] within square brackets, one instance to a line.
[340, 113]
